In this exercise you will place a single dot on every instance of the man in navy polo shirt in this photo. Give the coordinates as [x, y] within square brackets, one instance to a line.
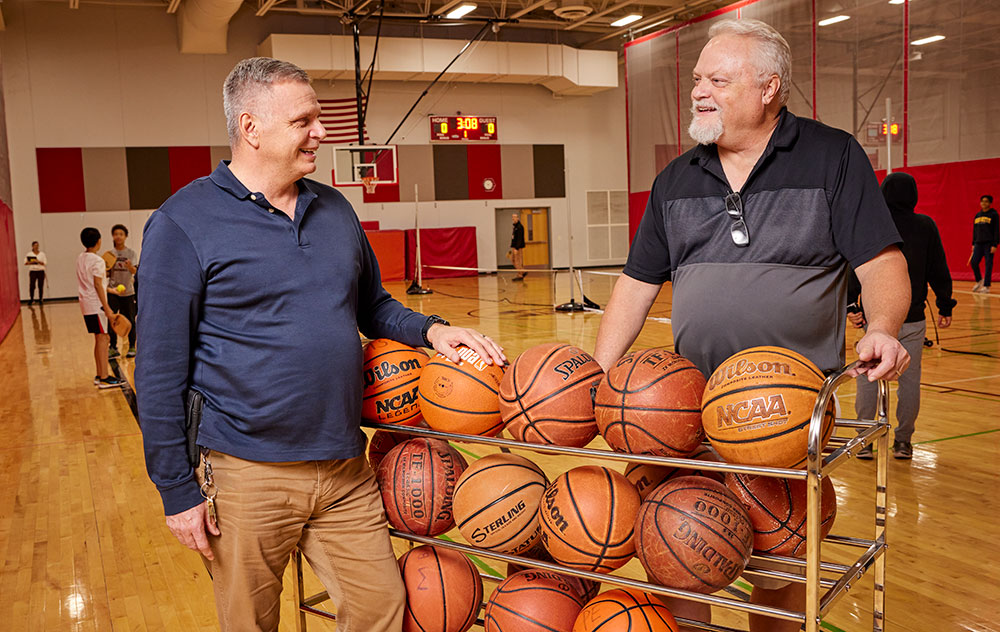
[255, 284]
[755, 228]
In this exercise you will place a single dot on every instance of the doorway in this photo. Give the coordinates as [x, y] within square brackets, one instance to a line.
[536, 236]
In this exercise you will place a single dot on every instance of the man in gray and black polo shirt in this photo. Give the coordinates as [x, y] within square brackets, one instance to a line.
[755, 228]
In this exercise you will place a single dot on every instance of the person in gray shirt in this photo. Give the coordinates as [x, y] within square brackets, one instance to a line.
[121, 287]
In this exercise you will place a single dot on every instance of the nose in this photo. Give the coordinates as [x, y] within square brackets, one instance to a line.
[701, 89]
[318, 131]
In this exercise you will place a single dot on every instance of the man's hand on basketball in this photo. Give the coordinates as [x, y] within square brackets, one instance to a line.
[881, 356]
[189, 529]
[446, 338]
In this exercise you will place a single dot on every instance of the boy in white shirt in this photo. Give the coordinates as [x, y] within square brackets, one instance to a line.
[35, 260]
[90, 274]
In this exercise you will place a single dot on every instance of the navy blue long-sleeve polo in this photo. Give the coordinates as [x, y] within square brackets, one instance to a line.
[260, 313]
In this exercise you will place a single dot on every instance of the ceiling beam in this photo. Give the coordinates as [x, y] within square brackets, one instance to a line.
[447, 6]
[528, 9]
[266, 6]
[173, 6]
[591, 18]
[657, 19]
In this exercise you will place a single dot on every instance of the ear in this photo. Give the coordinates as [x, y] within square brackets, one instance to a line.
[771, 89]
[249, 131]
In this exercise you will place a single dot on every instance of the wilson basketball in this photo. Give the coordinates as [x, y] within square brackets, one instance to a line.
[588, 516]
[777, 509]
[417, 479]
[585, 588]
[647, 477]
[625, 610]
[650, 403]
[391, 371]
[693, 533]
[497, 502]
[443, 590]
[380, 444]
[545, 395]
[532, 601]
[757, 407]
[461, 398]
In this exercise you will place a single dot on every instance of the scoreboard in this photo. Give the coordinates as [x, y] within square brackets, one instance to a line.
[461, 128]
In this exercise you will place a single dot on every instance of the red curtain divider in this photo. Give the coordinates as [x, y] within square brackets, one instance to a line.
[455, 246]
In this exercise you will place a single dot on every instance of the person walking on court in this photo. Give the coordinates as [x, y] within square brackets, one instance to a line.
[90, 275]
[517, 247]
[35, 260]
[985, 238]
[755, 227]
[121, 287]
[926, 263]
[255, 283]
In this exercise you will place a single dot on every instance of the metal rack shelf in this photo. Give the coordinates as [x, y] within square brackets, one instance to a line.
[833, 579]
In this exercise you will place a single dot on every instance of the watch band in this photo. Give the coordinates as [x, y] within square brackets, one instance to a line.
[431, 320]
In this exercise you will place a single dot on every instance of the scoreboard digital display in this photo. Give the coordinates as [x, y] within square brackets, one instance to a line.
[462, 128]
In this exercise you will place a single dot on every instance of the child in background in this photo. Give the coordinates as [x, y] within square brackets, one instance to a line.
[90, 277]
[122, 275]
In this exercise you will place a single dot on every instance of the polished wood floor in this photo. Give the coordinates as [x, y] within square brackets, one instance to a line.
[84, 544]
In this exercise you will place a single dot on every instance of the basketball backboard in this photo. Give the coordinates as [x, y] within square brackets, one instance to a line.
[354, 164]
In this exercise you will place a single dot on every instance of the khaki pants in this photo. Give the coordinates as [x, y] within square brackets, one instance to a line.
[517, 258]
[332, 511]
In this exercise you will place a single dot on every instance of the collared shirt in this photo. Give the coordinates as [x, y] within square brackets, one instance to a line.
[260, 313]
[811, 205]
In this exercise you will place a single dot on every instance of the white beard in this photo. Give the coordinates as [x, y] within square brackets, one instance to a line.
[705, 132]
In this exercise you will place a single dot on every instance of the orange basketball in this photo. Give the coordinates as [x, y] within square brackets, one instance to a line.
[650, 403]
[585, 588]
[545, 395]
[497, 501]
[461, 398]
[625, 610]
[777, 509]
[380, 444]
[693, 533]
[532, 601]
[391, 371]
[646, 478]
[757, 407]
[443, 590]
[417, 480]
[588, 515]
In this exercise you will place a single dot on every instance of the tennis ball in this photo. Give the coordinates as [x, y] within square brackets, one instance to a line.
[120, 288]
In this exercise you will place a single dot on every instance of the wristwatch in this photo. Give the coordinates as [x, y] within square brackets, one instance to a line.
[433, 319]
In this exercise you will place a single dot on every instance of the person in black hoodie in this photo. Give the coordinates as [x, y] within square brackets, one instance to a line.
[925, 260]
[985, 237]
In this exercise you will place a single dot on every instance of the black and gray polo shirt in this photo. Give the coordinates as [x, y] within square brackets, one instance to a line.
[812, 206]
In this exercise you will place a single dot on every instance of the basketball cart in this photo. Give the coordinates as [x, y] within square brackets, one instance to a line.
[826, 581]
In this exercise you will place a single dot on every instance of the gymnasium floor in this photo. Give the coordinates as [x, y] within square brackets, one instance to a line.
[85, 547]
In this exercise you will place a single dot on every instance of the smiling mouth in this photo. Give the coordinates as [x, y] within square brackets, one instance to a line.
[308, 152]
[701, 109]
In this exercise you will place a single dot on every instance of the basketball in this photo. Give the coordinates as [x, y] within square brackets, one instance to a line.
[380, 444]
[417, 479]
[588, 515]
[443, 590]
[461, 398]
[625, 610]
[650, 403]
[545, 395]
[532, 601]
[391, 371]
[692, 533]
[777, 509]
[647, 477]
[757, 407]
[586, 588]
[496, 503]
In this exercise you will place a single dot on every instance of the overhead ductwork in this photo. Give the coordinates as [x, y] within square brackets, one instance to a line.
[203, 25]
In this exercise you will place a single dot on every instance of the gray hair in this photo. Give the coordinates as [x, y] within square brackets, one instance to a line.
[774, 56]
[242, 88]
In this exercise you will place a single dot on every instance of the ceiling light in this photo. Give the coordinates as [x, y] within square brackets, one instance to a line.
[628, 19]
[834, 20]
[896, 1]
[927, 40]
[461, 11]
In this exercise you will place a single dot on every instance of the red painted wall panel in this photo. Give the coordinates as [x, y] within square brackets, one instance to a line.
[187, 164]
[485, 182]
[60, 180]
[10, 295]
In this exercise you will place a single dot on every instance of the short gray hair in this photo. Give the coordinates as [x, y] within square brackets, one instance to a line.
[774, 56]
[242, 87]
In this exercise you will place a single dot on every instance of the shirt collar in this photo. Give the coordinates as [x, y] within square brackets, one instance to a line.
[224, 179]
[784, 135]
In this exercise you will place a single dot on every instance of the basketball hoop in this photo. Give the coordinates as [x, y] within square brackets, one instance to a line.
[369, 182]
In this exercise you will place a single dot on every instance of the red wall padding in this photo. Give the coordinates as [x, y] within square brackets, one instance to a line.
[60, 180]
[10, 295]
[484, 164]
[442, 247]
[370, 225]
[187, 164]
[390, 250]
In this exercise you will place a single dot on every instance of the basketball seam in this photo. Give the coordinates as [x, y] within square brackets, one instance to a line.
[495, 391]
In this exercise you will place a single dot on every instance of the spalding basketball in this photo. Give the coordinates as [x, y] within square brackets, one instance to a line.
[650, 403]
[588, 516]
[585, 588]
[391, 371]
[380, 444]
[692, 533]
[532, 601]
[777, 509]
[497, 502]
[757, 407]
[647, 477]
[417, 480]
[443, 590]
[625, 610]
[461, 398]
[545, 395]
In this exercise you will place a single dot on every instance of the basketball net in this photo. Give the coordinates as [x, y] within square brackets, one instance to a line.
[369, 182]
